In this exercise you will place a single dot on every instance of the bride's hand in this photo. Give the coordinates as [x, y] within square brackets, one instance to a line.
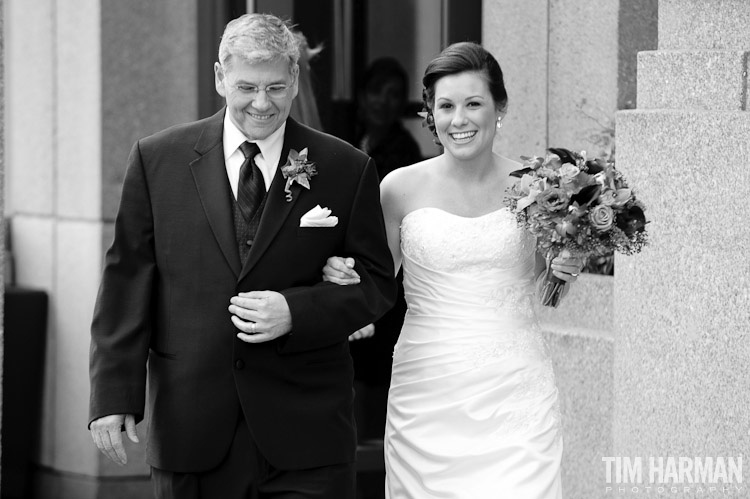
[365, 332]
[566, 268]
[339, 270]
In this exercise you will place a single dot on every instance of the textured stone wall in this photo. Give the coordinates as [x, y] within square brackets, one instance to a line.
[681, 306]
[516, 34]
[85, 79]
[637, 31]
[149, 79]
[569, 65]
[703, 24]
[579, 336]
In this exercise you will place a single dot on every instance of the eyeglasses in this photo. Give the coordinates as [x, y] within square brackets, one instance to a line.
[273, 91]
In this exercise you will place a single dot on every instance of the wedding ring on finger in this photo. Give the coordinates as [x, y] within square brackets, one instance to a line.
[252, 328]
[574, 275]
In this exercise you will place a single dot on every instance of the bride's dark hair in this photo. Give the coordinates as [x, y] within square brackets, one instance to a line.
[459, 58]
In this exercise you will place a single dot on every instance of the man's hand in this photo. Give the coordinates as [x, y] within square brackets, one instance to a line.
[260, 315]
[365, 332]
[107, 435]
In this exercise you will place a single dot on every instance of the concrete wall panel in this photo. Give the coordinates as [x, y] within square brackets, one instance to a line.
[583, 71]
[30, 123]
[703, 24]
[698, 80]
[78, 109]
[681, 314]
[516, 33]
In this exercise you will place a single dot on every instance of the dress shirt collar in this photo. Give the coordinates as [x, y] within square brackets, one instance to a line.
[270, 147]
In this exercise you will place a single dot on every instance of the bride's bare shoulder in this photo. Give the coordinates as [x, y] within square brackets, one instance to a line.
[403, 188]
[406, 178]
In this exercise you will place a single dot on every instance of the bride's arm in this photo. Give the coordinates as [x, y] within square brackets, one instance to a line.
[340, 270]
[393, 195]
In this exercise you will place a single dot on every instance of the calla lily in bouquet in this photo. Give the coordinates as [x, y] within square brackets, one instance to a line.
[576, 207]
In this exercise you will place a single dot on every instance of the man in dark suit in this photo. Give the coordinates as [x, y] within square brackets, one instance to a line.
[214, 283]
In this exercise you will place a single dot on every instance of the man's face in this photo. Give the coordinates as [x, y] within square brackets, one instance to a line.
[259, 95]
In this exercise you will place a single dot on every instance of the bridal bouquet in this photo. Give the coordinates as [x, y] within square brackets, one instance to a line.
[577, 207]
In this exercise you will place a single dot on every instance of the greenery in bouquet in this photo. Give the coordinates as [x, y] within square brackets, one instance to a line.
[577, 206]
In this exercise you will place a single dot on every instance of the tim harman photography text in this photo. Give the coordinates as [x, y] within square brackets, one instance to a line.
[669, 475]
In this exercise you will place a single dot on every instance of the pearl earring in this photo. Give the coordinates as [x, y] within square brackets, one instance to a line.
[500, 122]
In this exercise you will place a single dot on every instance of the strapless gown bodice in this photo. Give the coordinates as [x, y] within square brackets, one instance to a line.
[472, 409]
[480, 267]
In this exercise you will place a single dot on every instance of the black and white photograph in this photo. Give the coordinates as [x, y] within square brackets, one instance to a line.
[375, 249]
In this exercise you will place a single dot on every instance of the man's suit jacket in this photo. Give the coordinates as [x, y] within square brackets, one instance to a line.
[168, 277]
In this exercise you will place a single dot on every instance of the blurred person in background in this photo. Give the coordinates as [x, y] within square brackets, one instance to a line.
[305, 107]
[381, 103]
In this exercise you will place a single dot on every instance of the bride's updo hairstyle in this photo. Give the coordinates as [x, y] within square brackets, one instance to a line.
[460, 58]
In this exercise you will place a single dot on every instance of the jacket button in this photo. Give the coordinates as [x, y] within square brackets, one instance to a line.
[239, 364]
[249, 242]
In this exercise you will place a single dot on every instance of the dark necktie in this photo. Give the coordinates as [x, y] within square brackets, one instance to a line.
[251, 188]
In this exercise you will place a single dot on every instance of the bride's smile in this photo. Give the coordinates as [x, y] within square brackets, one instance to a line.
[463, 136]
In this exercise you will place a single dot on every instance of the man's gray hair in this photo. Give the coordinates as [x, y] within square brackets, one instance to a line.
[259, 38]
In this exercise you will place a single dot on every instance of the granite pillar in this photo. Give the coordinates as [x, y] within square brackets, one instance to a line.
[681, 306]
[516, 33]
[569, 65]
[85, 79]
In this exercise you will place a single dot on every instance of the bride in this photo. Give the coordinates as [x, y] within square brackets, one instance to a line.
[472, 407]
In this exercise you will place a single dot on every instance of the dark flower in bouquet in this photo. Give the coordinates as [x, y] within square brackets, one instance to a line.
[577, 207]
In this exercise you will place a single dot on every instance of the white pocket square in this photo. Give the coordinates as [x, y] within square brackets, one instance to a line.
[318, 217]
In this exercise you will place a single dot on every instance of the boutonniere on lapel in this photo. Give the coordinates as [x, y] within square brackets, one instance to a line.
[297, 169]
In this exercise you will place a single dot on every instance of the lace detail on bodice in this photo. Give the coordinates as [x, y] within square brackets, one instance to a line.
[484, 262]
[452, 243]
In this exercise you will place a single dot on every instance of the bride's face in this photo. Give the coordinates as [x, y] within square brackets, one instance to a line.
[465, 114]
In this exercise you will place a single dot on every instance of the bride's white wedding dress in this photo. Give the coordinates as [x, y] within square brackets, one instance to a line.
[472, 408]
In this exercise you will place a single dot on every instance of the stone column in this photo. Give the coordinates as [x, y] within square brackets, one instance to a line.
[682, 306]
[86, 78]
[516, 33]
[568, 66]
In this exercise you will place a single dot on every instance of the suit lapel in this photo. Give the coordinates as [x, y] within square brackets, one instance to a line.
[277, 208]
[210, 175]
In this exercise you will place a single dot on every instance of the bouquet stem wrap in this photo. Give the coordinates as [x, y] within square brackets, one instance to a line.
[552, 288]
